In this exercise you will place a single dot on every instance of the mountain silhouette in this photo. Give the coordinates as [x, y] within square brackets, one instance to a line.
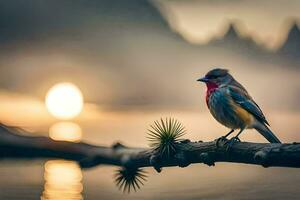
[231, 33]
[291, 47]
[232, 40]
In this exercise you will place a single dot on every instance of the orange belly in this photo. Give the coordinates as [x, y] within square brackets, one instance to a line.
[244, 115]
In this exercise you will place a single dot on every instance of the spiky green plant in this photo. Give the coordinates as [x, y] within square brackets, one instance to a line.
[130, 178]
[165, 134]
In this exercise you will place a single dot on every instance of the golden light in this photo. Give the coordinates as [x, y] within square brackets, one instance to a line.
[65, 131]
[63, 180]
[64, 100]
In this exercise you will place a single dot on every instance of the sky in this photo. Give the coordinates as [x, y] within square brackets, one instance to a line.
[198, 20]
[130, 55]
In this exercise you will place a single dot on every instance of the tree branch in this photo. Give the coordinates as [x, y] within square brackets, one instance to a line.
[13, 145]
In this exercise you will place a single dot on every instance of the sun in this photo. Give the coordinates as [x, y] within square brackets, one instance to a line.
[64, 101]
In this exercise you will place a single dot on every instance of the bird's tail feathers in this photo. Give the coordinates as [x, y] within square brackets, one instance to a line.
[267, 133]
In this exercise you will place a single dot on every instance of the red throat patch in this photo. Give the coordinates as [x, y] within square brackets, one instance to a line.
[211, 87]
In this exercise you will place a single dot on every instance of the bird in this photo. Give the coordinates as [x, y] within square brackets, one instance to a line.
[232, 106]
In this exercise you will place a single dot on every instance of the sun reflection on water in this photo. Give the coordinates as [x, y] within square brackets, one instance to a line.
[62, 181]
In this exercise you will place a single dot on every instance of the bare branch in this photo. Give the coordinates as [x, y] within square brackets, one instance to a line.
[13, 145]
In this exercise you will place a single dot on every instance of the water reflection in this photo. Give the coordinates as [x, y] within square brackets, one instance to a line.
[66, 131]
[62, 181]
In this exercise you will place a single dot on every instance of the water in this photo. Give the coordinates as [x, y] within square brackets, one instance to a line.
[64, 180]
[30, 180]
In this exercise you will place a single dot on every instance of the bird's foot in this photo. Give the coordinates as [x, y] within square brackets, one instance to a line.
[231, 142]
[222, 139]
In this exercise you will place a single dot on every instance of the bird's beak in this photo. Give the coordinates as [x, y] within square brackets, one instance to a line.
[203, 79]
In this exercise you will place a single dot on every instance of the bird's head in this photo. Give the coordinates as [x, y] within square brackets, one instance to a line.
[216, 77]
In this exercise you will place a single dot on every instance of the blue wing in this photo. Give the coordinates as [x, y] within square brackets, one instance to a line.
[242, 98]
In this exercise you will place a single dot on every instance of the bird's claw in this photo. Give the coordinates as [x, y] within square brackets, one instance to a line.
[233, 140]
[230, 142]
[237, 139]
[221, 139]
